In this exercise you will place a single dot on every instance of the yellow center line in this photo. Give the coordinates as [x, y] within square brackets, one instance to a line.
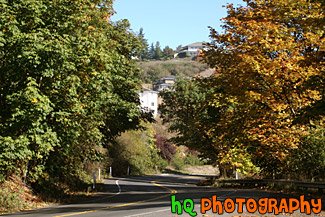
[172, 191]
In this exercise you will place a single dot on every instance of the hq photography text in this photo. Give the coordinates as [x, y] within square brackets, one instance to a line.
[262, 205]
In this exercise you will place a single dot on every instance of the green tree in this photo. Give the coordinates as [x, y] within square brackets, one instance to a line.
[168, 53]
[308, 161]
[199, 123]
[152, 51]
[179, 48]
[144, 49]
[157, 55]
[184, 108]
[68, 85]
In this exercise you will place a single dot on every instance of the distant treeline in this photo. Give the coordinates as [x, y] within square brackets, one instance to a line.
[154, 51]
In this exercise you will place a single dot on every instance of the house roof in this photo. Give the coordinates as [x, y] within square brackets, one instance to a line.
[196, 44]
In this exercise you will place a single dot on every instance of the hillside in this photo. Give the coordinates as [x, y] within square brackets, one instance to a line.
[156, 69]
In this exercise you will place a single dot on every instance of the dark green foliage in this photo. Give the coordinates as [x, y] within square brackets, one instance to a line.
[68, 87]
[192, 160]
[154, 52]
[157, 54]
[196, 121]
[168, 53]
[151, 51]
[144, 46]
[185, 107]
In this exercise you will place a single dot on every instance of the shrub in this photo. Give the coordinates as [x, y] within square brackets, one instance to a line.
[14, 195]
[307, 162]
[178, 162]
[167, 150]
[193, 160]
[136, 150]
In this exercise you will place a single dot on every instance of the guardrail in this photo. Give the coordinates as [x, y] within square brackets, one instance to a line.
[255, 182]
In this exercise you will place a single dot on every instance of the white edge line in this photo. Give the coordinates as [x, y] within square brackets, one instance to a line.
[119, 188]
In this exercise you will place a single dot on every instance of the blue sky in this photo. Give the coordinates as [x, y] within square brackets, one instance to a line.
[173, 22]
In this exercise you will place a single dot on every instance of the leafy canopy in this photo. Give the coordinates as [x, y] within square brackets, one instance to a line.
[68, 85]
[270, 61]
[267, 92]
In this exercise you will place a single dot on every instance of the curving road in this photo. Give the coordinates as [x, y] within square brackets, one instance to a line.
[149, 196]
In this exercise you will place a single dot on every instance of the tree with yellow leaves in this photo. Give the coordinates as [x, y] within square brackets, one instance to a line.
[270, 63]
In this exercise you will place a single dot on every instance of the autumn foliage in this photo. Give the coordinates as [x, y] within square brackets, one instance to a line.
[270, 76]
[270, 64]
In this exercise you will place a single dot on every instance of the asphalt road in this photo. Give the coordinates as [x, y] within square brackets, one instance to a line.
[150, 196]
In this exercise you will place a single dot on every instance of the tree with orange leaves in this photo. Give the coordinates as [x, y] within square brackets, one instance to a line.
[270, 64]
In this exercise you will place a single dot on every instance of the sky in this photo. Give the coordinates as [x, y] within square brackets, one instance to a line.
[173, 22]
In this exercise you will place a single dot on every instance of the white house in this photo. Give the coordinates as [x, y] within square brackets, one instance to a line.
[149, 100]
[191, 49]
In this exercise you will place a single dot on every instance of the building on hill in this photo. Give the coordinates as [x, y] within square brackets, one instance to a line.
[190, 50]
[164, 83]
[149, 101]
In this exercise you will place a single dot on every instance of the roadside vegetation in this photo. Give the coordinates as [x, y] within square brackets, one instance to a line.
[68, 89]
[262, 114]
[135, 153]
[69, 100]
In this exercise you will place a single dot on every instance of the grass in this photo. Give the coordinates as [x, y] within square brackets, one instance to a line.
[154, 70]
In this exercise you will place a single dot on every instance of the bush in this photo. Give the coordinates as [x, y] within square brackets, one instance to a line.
[167, 150]
[14, 195]
[189, 159]
[178, 162]
[136, 150]
[161, 163]
[193, 160]
[307, 162]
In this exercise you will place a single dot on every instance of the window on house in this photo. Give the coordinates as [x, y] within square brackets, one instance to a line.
[152, 104]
